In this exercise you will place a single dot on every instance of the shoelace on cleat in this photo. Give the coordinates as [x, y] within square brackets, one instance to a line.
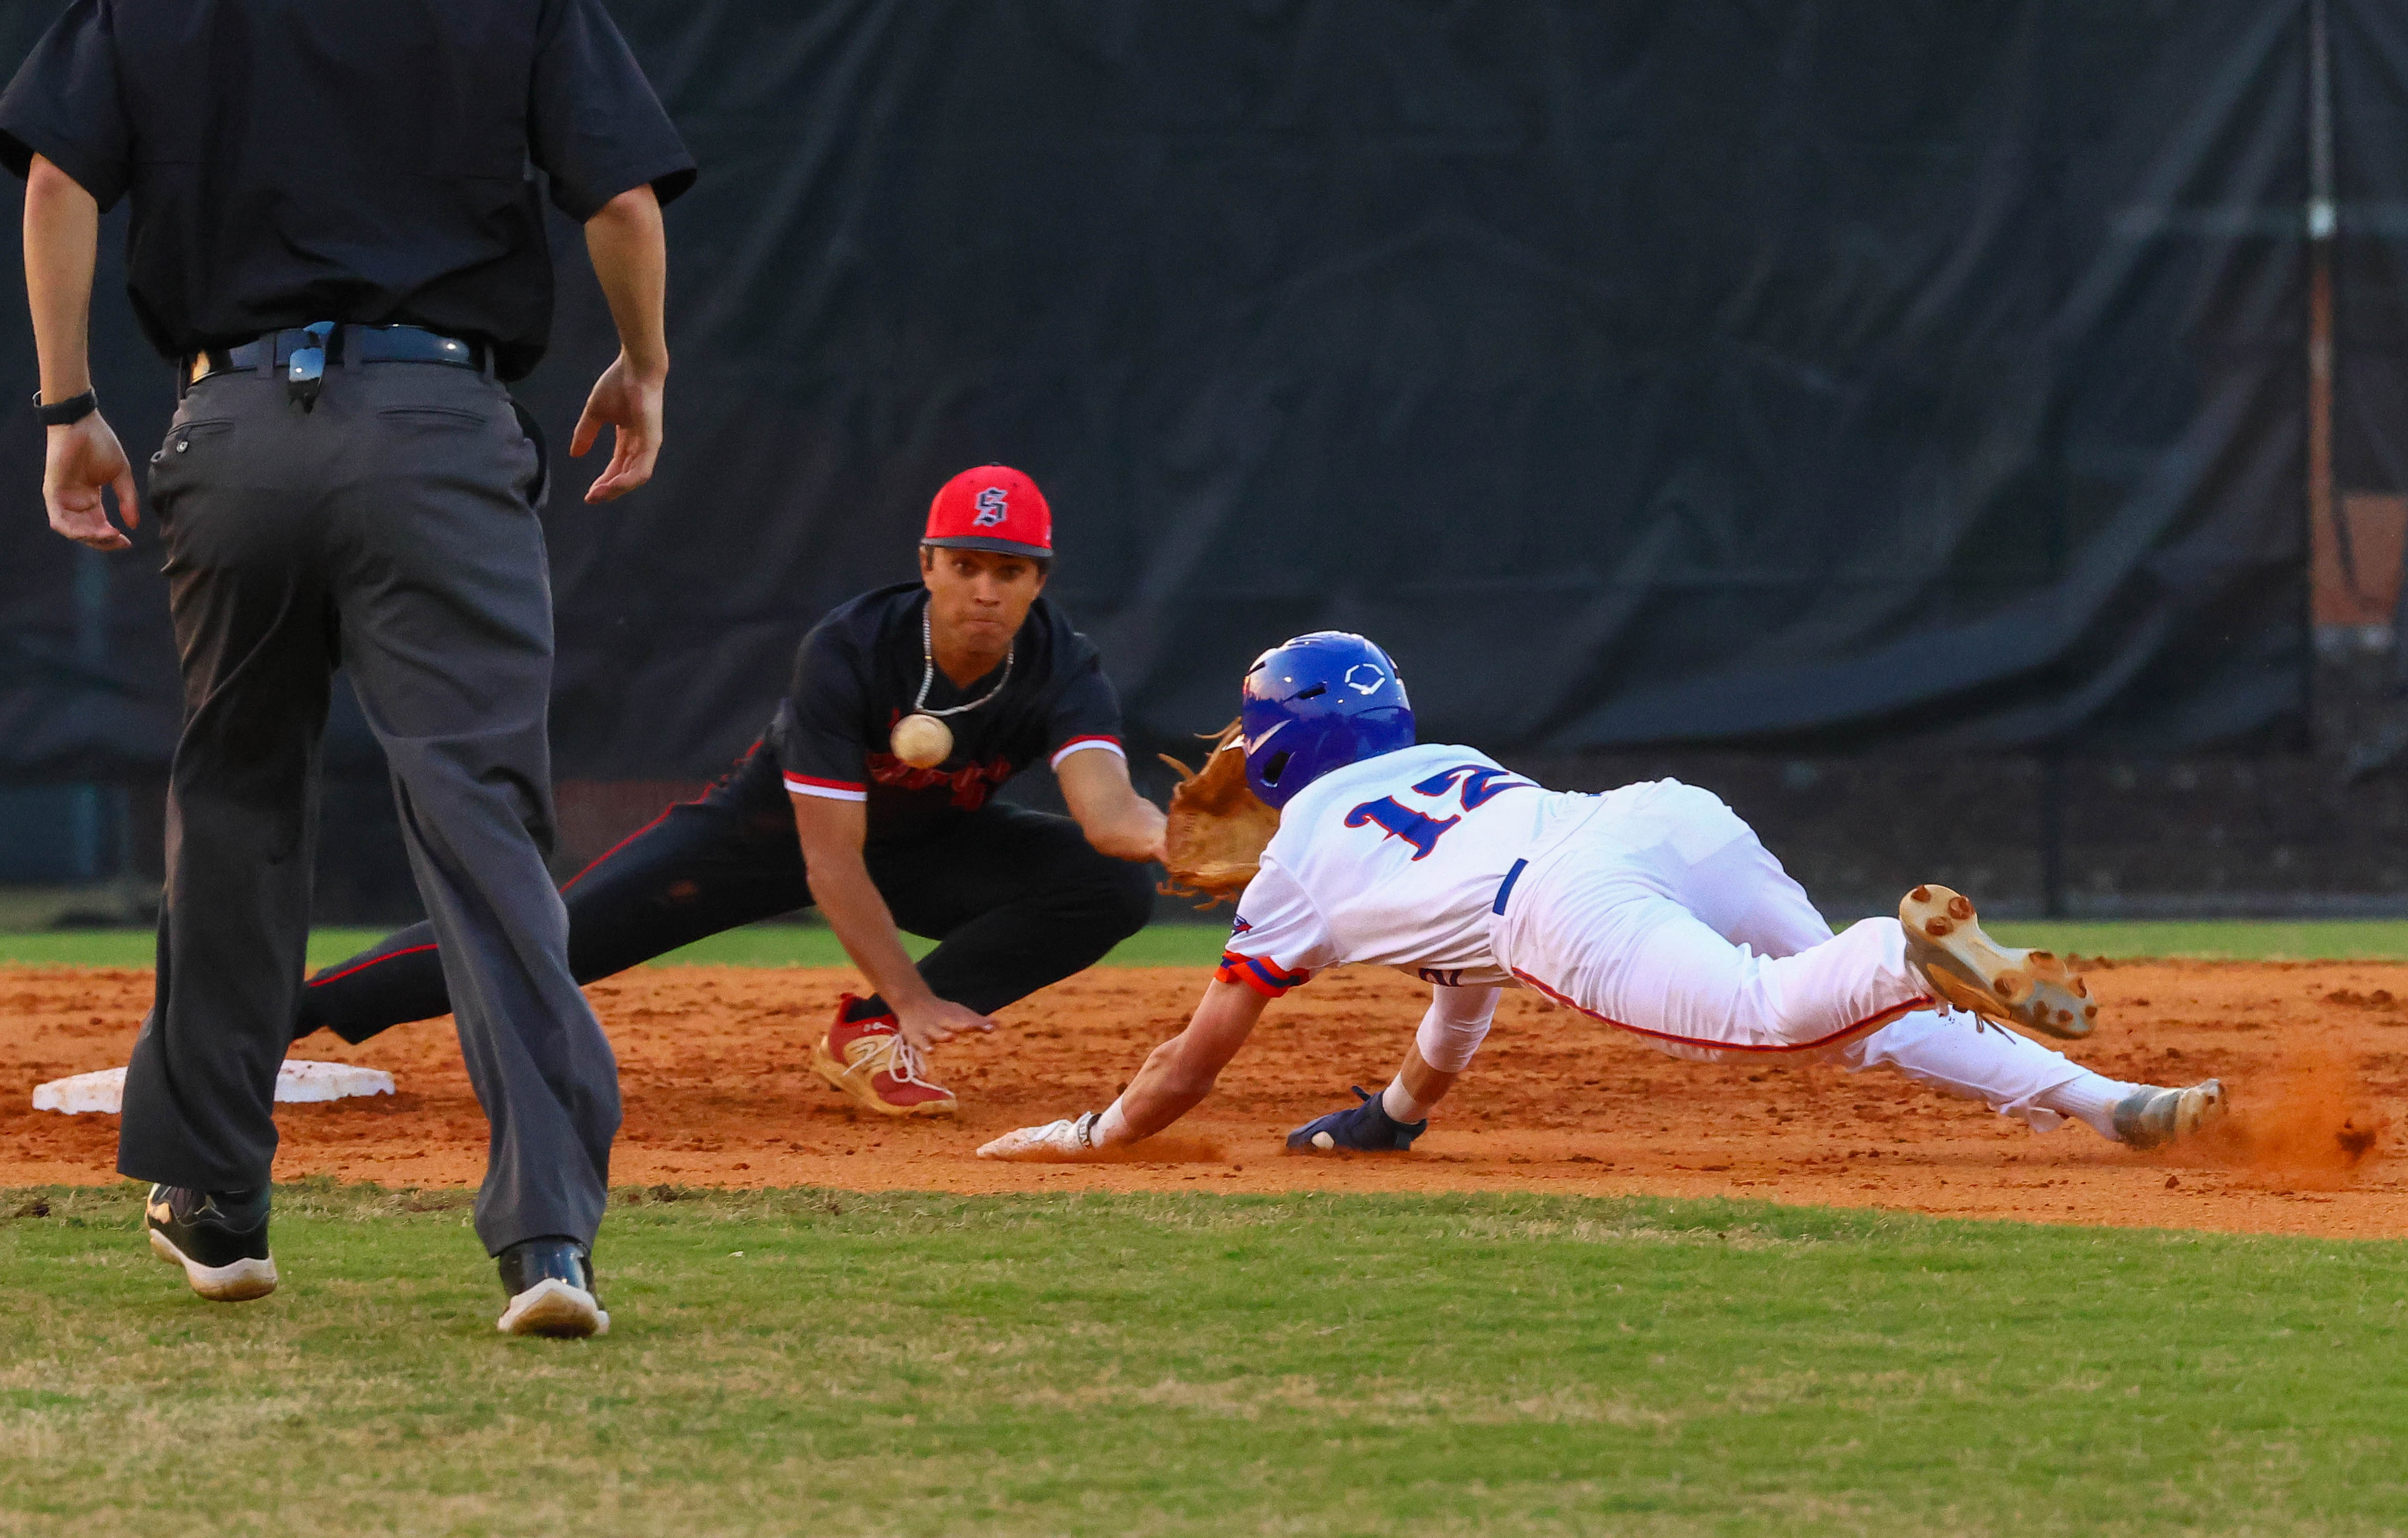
[1981, 1022]
[908, 1064]
[895, 1055]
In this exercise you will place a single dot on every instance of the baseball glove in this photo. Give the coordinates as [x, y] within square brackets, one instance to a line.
[1217, 826]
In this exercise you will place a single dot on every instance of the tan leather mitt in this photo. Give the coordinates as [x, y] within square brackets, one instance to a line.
[1217, 826]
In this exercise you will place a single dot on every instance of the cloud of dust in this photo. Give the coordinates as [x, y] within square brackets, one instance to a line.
[2313, 1122]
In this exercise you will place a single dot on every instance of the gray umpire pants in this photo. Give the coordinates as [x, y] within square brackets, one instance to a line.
[392, 528]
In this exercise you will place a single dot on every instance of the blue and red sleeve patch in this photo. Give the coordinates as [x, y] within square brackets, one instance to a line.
[1266, 978]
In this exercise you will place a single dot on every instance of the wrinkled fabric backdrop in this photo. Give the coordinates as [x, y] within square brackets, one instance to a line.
[1829, 376]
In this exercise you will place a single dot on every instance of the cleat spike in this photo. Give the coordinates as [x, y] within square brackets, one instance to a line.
[1965, 969]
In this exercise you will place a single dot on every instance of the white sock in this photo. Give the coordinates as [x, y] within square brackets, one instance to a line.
[1399, 1104]
[2090, 1099]
[1111, 1128]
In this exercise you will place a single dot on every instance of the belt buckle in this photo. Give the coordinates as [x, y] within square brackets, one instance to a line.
[304, 372]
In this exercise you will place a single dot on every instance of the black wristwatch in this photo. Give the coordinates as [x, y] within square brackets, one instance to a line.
[72, 410]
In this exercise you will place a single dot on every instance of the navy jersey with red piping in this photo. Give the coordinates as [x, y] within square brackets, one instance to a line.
[858, 673]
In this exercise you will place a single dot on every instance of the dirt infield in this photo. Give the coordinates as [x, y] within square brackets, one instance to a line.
[718, 1092]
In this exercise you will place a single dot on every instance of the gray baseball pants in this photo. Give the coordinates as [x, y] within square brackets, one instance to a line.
[392, 528]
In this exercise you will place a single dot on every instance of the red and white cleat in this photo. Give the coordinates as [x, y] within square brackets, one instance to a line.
[875, 1068]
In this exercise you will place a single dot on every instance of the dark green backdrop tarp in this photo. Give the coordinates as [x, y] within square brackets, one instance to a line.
[1833, 375]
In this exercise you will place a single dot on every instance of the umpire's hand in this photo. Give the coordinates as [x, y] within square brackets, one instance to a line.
[84, 459]
[629, 403]
[632, 262]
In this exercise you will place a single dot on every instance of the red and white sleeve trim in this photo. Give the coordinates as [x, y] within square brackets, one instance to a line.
[1080, 744]
[834, 790]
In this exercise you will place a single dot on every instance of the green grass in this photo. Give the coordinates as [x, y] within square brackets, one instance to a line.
[1200, 944]
[140, 947]
[2220, 940]
[806, 1361]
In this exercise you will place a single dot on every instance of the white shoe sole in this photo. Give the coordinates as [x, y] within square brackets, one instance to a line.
[553, 1307]
[238, 1283]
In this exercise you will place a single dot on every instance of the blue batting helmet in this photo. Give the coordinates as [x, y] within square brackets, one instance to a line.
[1317, 703]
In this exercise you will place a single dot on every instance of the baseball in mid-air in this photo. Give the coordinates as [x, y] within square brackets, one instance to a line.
[1323, 1141]
[922, 742]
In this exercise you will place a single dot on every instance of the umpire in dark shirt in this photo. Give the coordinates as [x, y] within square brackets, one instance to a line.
[338, 237]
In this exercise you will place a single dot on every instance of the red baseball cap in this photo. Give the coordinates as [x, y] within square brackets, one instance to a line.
[992, 507]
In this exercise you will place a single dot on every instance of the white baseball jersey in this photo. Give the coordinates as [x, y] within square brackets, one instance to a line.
[1399, 861]
[1651, 909]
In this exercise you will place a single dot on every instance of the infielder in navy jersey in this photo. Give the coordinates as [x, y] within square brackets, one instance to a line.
[825, 809]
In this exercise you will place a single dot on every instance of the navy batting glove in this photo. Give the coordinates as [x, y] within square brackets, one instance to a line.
[1367, 1125]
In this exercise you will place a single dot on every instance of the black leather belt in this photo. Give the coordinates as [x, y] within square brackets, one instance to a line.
[337, 343]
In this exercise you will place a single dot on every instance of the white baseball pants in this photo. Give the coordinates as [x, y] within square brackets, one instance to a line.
[1665, 916]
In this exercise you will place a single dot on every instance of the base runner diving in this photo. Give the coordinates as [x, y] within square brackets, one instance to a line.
[1652, 909]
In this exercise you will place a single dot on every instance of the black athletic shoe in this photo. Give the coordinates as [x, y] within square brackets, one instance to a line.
[549, 1282]
[218, 1237]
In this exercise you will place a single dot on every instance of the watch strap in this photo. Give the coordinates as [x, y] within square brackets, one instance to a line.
[63, 414]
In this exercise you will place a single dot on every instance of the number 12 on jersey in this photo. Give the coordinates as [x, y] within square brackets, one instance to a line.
[1472, 786]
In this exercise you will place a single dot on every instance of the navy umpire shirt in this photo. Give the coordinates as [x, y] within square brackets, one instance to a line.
[370, 161]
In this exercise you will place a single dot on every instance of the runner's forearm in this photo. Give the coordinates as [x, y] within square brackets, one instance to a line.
[1424, 1083]
[1178, 1074]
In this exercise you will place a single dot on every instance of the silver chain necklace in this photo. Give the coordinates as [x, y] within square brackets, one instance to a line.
[928, 673]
